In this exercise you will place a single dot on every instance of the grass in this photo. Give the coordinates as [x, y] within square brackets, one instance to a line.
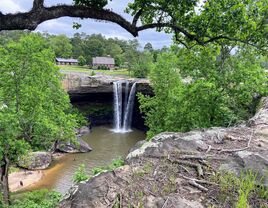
[86, 69]
[242, 191]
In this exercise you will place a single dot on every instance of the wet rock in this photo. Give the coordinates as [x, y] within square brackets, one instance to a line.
[84, 130]
[35, 160]
[69, 147]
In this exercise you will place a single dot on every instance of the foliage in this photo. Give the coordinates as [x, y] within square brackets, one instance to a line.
[148, 47]
[239, 191]
[202, 22]
[202, 88]
[61, 46]
[38, 199]
[92, 3]
[142, 66]
[33, 113]
[80, 175]
[80, 118]
[31, 88]
[102, 67]
[82, 61]
[116, 163]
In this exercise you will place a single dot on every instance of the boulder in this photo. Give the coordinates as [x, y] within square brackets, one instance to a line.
[83, 130]
[35, 160]
[69, 147]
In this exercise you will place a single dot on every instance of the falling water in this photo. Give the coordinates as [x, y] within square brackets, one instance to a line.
[123, 113]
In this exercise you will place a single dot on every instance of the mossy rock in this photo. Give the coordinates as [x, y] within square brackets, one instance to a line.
[35, 160]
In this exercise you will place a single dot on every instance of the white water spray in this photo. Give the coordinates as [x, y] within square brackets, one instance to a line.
[123, 109]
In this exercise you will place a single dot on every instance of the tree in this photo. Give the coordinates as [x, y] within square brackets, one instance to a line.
[33, 106]
[148, 47]
[82, 61]
[202, 88]
[190, 21]
[142, 66]
[61, 45]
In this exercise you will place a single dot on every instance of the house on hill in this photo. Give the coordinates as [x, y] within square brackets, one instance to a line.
[63, 61]
[103, 62]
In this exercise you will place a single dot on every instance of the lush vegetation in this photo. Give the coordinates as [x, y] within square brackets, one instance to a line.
[34, 109]
[203, 87]
[127, 54]
[80, 175]
[37, 199]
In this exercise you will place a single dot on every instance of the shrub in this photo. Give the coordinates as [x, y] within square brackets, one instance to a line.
[80, 175]
[116, 163]
[38, 199]
[81, 61]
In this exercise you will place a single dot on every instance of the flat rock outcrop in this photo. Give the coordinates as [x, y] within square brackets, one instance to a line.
[175, 169]
[81, 83]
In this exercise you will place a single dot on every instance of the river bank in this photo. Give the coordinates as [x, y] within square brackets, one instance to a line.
[106, 146]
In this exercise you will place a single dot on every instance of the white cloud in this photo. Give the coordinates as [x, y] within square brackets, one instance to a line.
[10, 6]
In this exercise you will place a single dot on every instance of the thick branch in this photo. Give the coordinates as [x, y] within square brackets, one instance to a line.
[30, 20]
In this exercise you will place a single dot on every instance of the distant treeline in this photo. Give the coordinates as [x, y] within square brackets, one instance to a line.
[125, 52]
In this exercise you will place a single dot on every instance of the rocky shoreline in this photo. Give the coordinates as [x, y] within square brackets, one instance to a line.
[175, 169]
[32, 166]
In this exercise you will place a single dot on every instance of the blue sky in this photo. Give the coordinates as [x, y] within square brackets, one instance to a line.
[64, 25]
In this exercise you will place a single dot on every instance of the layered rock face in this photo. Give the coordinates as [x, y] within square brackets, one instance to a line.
[78, 84]
[174, 169]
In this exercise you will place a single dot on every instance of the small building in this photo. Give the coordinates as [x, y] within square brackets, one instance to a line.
[63, 61]
[108, 62]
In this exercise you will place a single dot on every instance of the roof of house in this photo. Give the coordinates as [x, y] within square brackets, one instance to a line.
[67, 60]
[103, 60]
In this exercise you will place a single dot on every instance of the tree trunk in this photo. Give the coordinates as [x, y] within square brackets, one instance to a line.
[4, 180]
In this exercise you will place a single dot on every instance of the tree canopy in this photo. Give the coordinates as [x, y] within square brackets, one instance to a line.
[191, 22]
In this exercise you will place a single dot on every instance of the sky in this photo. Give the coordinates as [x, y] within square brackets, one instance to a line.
[64, 25]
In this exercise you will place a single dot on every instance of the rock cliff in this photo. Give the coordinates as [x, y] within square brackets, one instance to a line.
[81, 83]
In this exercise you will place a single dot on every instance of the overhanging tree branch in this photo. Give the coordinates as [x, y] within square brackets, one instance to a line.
[39, 13]
[30, 20]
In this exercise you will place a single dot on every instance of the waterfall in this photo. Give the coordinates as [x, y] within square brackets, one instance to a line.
[123, 108]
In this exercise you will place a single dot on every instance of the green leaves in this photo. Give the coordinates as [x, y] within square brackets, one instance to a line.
[30, 87]
[99, 4]
[202, 88]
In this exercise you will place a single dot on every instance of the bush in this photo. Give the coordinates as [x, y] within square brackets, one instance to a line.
[202, 88]
[38, 199]
[116, 163]
[82, 61]
[102, 67]
[80, 175]
[142, 67]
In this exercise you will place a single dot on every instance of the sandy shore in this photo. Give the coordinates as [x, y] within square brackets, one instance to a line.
[23, 179]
